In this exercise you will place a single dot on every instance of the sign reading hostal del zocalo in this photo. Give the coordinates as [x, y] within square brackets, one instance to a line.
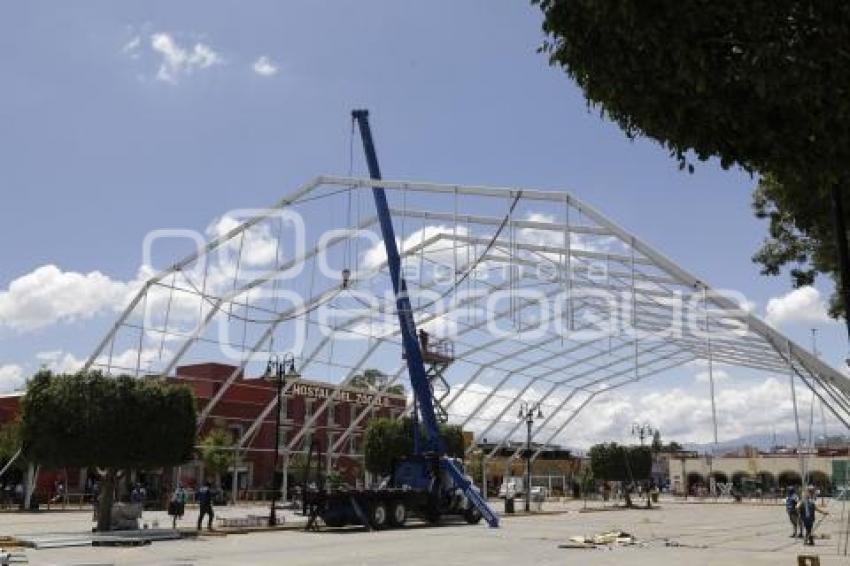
[348, 395]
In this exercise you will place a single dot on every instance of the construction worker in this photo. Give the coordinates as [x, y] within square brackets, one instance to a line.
[205, 504]
[791, 502]
[807, 509]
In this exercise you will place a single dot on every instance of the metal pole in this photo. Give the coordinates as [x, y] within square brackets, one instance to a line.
[234, 482]
[483, 473]
[528, 421]
[285, 478]
[796, 417]
[275, 487]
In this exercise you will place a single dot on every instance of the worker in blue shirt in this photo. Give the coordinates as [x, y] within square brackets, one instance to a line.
[205, 497]
[791, 502]
[807, 509]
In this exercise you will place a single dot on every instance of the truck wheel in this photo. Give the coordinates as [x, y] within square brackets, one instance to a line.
[378, 515]
[472, 516]
[398, 514]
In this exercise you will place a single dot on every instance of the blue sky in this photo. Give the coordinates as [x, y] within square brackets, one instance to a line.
[102, 141]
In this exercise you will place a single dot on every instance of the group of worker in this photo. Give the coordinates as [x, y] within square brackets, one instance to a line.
[204, 496]
[801, 512]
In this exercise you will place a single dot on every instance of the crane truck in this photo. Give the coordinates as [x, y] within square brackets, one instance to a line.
[428, 483]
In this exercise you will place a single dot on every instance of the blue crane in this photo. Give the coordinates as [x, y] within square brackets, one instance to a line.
[433, 450]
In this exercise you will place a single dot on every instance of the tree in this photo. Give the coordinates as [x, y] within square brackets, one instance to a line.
[659, 446]
[626, 464]
[10, 442]
[389, 440]
[217, 454]
[799, 236]
[92, 420]
[373, 380]
[761, 84]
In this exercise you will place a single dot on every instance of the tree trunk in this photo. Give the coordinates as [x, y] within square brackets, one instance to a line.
[104, 503]
[627, 491]
[841, 247]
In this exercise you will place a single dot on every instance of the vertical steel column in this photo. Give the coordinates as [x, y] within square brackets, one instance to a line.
[796, 416]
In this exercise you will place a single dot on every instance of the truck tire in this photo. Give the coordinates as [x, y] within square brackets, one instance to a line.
[472, 516]
[378, 515]
[398, 514]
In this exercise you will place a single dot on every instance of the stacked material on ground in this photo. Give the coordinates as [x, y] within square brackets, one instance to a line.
[123, 538]
[608, 538]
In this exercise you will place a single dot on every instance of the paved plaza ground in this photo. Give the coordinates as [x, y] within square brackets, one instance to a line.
[702, 533]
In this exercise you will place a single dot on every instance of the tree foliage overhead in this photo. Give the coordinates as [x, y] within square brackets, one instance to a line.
[389, 440]
[800, 235]
[91, 420]
[762, 84]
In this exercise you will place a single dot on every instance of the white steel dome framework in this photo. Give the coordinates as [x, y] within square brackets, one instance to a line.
[543, 298]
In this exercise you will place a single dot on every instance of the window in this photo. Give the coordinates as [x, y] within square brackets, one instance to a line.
[308, 408]
[352, 444]
[331, 413]
[235, 432]
[331, 440]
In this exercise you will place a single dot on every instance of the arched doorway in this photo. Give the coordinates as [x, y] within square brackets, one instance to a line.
[696, 481]
[767, 483]
[739, 477]
[720, 477]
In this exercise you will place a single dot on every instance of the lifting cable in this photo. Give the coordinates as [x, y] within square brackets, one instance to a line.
[459, 281]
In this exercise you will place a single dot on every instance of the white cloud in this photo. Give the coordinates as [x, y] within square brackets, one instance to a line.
[800, 305]
[178, 60]
[717, 374]
[259, 247]
[438, 251]
[59, 361]
[131, 48]
[265, 67]
[49, 295]
[743, 408]
[11, 378]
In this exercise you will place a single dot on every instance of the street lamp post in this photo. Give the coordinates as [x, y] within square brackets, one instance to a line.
[527, 411]
[280, 369]
[642, 431]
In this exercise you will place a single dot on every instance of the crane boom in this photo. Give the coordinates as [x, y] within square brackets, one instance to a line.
[413, 353]
[423, 398]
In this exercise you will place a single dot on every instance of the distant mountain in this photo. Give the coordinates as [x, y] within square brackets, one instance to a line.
[761, 441]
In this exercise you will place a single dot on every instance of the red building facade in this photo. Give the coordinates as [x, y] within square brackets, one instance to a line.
[246, 399]
[242, 403]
